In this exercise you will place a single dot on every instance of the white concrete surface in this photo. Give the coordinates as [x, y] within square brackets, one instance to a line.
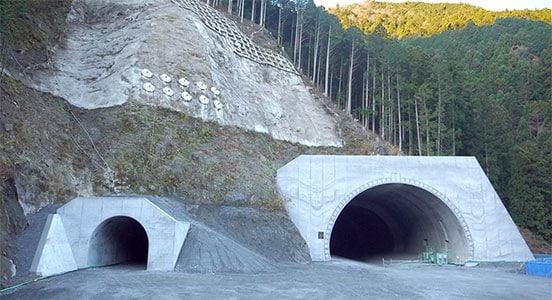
[54, 254]
[317, 188]
[83, 216]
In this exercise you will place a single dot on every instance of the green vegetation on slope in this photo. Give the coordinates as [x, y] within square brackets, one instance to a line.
[29, 29]
[423, 19]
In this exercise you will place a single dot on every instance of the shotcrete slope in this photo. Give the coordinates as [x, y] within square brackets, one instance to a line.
[109, 43]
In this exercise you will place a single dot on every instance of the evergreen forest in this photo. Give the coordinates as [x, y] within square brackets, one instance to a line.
[423, 19]
[465, 81]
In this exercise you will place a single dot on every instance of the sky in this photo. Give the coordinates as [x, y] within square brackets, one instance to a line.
[496, 5]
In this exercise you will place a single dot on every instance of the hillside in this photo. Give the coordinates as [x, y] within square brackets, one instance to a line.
[75, 118]
[398, 20]
[52, 150]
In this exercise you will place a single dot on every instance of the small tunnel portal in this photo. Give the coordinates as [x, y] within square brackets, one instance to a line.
[119, 240]
[396, 221]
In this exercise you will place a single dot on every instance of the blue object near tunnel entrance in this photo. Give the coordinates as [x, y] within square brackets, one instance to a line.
[540, 267]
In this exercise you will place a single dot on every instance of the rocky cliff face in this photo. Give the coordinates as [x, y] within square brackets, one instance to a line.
[12, 224]
[154, 51]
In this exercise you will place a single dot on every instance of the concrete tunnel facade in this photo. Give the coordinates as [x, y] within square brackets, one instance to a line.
[100, 231]
[369, 207]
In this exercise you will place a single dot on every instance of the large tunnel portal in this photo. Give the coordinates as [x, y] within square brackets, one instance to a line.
[118, 240]
[396, 221]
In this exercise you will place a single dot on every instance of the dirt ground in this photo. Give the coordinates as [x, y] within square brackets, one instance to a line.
[337, 279]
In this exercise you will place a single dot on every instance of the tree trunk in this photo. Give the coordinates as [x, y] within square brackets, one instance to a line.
[391, 126]
[339, 89]
[350, 89]
[410, 131]
[327, 81]
[242, 10]
[367, 93]
[374, 97]
[319, 68]
[399, 113]
[382, 117]
[230, 7]
[439, 112]
[331, 84]
[297, 42]
[280, 24]
[262, 17]
[418, 127]
[253, 11]
[300, 55]
[453, 116]
[309, 56]
[315, 56]
[426, 114]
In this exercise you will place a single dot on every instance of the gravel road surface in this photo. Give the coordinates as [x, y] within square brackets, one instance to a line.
[338, 279]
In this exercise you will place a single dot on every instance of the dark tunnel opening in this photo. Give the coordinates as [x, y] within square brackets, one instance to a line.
[119, 240]
[396, 221]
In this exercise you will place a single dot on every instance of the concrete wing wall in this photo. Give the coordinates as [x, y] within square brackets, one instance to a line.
[54, 254]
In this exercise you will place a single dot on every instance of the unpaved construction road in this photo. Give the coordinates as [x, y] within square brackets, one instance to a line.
[338, 279]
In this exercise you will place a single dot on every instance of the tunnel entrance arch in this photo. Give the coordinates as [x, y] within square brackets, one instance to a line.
[119, 240]
[396, 219]
[317, 188]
